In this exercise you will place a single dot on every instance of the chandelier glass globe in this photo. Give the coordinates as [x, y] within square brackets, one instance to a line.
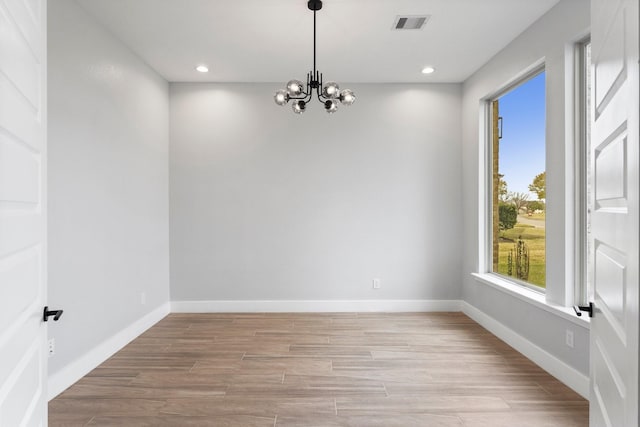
[299, 107]
[295, 87]
[281, 97]
[347, 97]
[331, 90]
[331, 105]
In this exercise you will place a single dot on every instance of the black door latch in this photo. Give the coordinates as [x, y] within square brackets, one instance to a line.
[580, 308]
[48, 313]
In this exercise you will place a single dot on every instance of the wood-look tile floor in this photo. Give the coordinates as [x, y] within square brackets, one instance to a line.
[319, 370]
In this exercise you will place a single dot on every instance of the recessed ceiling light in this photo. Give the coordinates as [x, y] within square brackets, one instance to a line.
[202, 69]
[428, 70]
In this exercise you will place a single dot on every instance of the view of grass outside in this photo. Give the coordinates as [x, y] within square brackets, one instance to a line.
[519, 182]
[534, 238]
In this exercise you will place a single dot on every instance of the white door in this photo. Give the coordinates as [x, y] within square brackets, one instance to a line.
[615, 220]
[23, 363]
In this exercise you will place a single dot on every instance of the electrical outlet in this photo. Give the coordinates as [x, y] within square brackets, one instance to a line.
[569, 338]
[51, 344]
[143, 298]
[376, 283]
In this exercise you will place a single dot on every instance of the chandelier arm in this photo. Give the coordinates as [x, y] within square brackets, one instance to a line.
[319, 89]
[307, 94]
[319, 94]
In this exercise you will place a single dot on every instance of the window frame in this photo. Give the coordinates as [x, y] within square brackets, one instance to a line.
[486, 216]
[581, 118]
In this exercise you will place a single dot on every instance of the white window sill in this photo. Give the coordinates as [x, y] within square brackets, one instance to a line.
[532, 297]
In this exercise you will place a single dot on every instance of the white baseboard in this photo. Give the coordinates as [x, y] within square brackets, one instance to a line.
[556, 367]
[314, 306]
[74, 371]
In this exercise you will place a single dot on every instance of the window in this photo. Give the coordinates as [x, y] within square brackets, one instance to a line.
[584, 246]
[517, 208]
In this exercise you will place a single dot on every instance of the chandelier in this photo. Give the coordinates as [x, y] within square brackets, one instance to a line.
[329, 93]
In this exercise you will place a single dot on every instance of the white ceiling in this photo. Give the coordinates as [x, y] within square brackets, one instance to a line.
[272, 40]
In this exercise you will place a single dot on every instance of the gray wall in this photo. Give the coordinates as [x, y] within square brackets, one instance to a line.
[108, 184]
[551, 38]
[267, 205]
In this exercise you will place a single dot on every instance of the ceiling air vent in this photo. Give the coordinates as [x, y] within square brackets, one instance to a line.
[410, 22]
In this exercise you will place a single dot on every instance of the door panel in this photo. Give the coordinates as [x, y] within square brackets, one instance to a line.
[22, 213]
[610, 171]
[19, 173]
[21, 228]
[610, 70]
[17, 60]
[18, 119]
[615, 227]
[20, 280]
[610, 275]
[610, 393]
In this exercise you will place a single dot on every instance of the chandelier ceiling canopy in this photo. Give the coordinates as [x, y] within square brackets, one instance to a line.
[328, 93]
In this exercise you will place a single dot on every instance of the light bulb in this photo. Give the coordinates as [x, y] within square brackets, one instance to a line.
[347, 97]
[202, 69]
[331, 90]
[299, 107]
[294, 87]
[281, 97]
[331, 105]
[428, 70]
